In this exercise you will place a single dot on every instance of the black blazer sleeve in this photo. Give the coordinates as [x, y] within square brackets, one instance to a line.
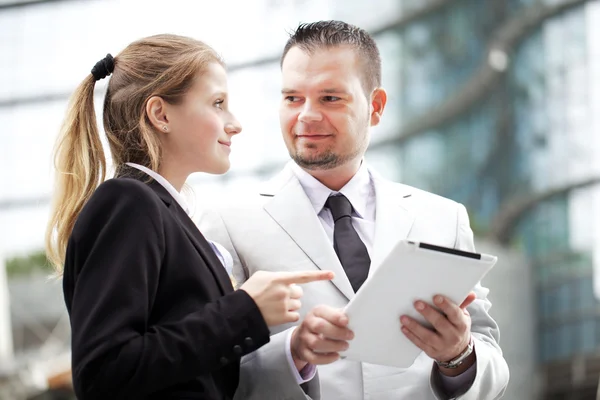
[118, 248]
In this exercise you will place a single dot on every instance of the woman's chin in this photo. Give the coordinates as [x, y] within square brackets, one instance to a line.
[221, 168]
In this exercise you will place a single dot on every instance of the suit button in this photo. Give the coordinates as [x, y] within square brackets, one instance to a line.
[224, 361]
[249, 342]
[237, 350]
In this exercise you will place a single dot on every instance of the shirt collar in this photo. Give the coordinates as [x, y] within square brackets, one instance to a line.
[164, 183]
[357, 190]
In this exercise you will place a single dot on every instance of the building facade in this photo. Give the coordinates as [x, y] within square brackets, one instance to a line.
[498, 109]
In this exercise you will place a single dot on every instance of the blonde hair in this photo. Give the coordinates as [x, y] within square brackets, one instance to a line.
[160, 65]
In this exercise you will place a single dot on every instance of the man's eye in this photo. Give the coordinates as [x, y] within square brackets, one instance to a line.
[331, 98]
[219, 104]
[291, 99]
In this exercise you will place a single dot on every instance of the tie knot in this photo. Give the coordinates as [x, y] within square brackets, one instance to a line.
[340, 206]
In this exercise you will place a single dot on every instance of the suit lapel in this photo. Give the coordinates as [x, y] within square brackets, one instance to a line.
[205, 250]
[190, 229]
[292, 210]
[393, 220]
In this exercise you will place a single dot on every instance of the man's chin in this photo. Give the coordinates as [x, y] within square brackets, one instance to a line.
[316, 163]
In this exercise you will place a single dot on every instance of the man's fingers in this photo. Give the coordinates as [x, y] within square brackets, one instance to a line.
[321, 345]
[454, 313]
[289, 278]
[317, 349]
[417, 341]
[427, 336]
[437, 318]
[332, 315]
[321, 326]
[470, 299]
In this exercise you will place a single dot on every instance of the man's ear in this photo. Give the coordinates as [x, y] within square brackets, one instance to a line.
[378, 101]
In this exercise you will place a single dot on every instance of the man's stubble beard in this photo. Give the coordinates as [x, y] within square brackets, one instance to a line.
[324, 160]
[328, 158]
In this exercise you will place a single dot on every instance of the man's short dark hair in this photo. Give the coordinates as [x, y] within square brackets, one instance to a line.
[326, 34]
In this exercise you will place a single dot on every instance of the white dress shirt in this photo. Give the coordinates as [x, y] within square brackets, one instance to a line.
[222, 254]
[360, 191]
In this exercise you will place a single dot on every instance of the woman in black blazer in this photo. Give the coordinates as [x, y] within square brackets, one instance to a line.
[153, 311]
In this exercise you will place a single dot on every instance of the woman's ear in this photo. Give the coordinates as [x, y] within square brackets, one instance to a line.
[156, 109]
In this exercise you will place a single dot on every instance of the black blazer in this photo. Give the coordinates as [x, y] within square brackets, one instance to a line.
[153, 313]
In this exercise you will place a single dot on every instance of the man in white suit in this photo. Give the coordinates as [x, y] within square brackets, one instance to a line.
[327, 209]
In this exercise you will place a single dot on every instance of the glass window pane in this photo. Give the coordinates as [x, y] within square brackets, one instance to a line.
[587, 335]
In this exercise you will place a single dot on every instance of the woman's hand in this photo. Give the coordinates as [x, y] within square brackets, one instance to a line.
[277, 294]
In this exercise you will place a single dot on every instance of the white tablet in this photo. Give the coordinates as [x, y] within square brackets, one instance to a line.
[412, 271]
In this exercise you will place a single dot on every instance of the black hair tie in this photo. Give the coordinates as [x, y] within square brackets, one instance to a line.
[104, 67]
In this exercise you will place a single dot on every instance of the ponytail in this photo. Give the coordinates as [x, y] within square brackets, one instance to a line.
[163, 65]
[80, 167]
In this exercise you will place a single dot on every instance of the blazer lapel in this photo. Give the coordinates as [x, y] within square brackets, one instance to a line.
[205, 250]
[199, 242]
[393, 220]
[292, 210]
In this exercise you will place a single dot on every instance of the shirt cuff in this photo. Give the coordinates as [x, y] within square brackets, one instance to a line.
[308, 372]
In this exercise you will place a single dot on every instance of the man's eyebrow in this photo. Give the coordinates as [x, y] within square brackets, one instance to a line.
[334, 90]
[326, 91]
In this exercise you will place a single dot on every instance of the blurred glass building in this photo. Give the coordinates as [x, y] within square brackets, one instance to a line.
[498, 108]
[493, 103]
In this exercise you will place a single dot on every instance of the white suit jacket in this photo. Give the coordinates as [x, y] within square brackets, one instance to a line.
[278, 230]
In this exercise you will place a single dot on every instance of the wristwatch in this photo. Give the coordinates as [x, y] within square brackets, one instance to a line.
[458, 360]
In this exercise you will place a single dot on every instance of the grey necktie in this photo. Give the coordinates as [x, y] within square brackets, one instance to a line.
[351, 251]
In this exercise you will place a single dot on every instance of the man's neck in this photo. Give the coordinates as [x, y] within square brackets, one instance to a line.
[336, 178]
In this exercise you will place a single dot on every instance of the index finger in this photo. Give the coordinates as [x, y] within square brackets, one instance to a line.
[289, 278]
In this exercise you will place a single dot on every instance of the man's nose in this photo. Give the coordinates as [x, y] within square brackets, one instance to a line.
[310, 113]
